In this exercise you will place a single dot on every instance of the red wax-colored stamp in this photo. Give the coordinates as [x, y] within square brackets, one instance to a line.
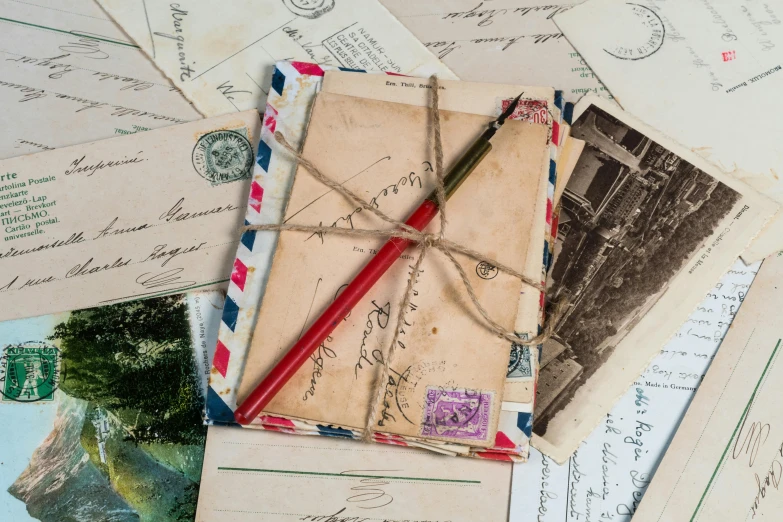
[729, 55]
[535, 111]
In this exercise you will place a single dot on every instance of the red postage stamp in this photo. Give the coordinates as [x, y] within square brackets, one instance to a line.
[535, 111]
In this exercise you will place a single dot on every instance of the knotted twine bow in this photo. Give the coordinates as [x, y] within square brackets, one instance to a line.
[425, 241]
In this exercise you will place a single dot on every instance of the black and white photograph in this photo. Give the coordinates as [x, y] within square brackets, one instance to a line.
[632, 214]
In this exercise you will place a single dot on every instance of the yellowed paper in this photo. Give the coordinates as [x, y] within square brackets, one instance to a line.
[271, 477]
[474, 98]
[725, 461]
[508, 41]
[385, 144]
[222, 57]
[126, 218]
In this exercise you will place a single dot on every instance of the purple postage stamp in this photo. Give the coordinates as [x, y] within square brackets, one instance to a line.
[457, 413]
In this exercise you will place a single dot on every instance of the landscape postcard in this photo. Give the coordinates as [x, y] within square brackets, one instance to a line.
[102, 411]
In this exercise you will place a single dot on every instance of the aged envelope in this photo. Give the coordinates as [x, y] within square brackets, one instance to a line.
[646, 229]
[503, 41]
[274, 477]
[222, 58]
[474, 98]
[119, 219]
[445, 334]
[726, 461]
[69, 75]
[708, 74]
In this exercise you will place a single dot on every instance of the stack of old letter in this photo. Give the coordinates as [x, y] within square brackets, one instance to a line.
[451, 386]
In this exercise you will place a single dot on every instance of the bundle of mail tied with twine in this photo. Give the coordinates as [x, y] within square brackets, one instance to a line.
[425, 241]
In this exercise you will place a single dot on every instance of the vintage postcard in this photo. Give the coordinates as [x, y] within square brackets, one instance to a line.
[645, 230]
[272, 477]
[708, 74]
[726, 460]
[101, 412]
[400, 176]
[501, 41]
[134, 216]
[222, 58]
[612, 470]
[74, 65]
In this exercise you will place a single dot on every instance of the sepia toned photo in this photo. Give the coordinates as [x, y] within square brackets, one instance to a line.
[632, 216]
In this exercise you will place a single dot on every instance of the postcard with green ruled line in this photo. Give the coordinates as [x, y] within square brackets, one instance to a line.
[131, 217]
[270, 477]
[726, 460]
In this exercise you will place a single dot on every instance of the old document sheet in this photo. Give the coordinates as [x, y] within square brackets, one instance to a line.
[606, 478]
[646, 229]
[709, 74]
[272, 477]
[502, 41]
[135, 216]
[726, 460]
[474, 98]
[222, 57]
[69, 75]
[445, 335]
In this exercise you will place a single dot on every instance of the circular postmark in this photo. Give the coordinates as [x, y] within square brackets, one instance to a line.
[639, 33]
[223, 156]
[519, 363]
[486, 271]
[311, 9]
[405, 394]
[29, 372]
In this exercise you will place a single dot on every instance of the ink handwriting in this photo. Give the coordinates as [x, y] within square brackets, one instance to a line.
[380, 314]
[371, 495]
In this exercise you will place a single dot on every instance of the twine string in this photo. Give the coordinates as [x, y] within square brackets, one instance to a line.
[425, 242]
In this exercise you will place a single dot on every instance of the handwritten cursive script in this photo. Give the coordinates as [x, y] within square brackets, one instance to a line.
[751, 442]
[78, 168]
[109, 230]
[371, 495]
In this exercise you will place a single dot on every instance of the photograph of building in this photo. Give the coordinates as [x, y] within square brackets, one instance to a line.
[631, 215]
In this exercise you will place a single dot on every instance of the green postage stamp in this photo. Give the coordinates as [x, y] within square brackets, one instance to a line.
[29, 372]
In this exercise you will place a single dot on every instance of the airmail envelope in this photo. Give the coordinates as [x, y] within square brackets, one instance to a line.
[131, 217]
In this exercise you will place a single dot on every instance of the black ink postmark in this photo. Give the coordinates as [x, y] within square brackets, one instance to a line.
[29, 372]
[405, 396]
[311, 9]
[640, 33]
[486, 271]
[223, 156]
[519, 364]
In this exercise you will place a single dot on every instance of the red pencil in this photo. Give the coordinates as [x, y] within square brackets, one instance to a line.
[260, 397]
